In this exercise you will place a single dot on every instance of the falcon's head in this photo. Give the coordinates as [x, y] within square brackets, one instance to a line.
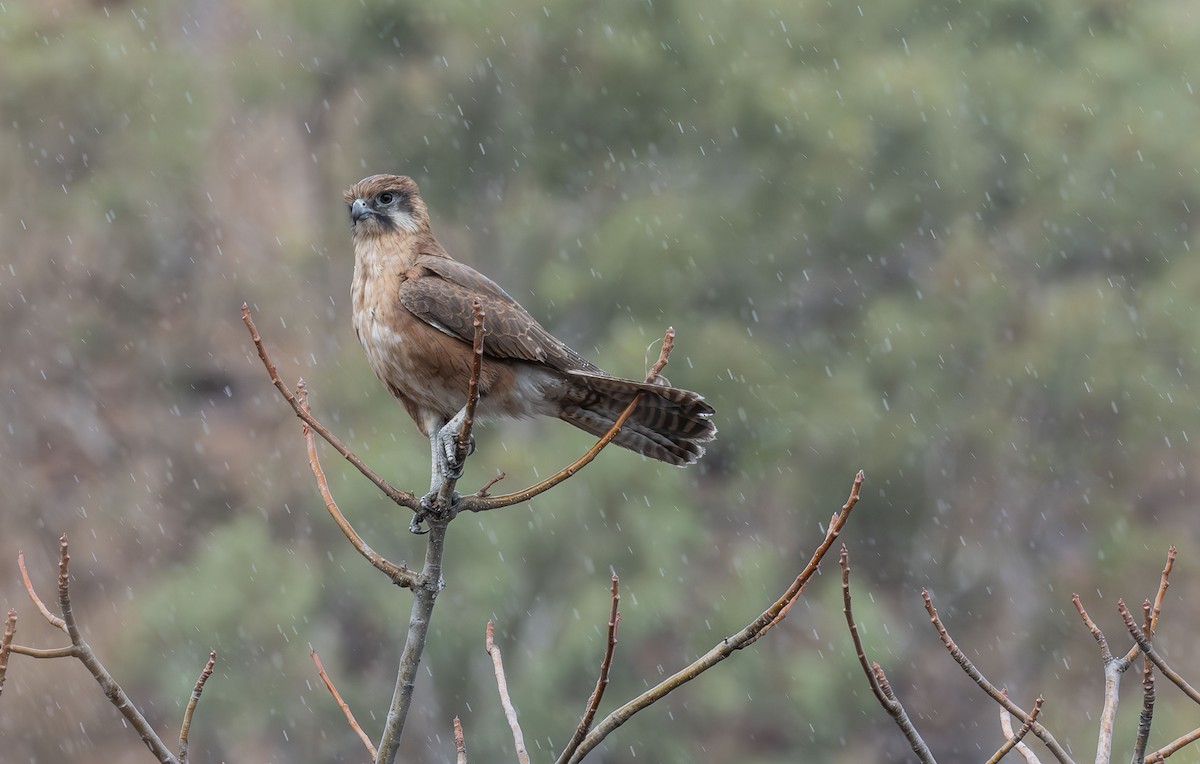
[382, 204]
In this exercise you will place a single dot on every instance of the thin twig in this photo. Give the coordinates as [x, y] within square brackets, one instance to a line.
[337, 697]
[51, 618]
[462, 444]
[1174, 746]
[70, 651]
[483, 492]
[403, 498]
[460, 742]
[1140, 637]
[726, 647]
[1113, 669]
[399, 574]
[1163, 583]
[1007, 728]
[965, 663]
[191, 706]
[875, 674]
[10, 630]
[1013, 740]
[464, 433]
[589, 714]
[484, 503]
[510, 713]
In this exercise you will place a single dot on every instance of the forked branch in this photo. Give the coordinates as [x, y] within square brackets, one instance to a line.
[82, 651]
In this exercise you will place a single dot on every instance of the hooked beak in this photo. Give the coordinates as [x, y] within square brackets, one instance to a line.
[358, 211]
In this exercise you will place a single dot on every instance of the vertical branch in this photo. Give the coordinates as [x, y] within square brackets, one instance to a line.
[10, 630]
[191, 706]
[1113, 668]
[589, 714]
[460, 743]
[424, 595]
[510, 713]
[1146, 716]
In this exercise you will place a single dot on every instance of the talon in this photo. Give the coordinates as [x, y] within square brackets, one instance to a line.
[431, 508]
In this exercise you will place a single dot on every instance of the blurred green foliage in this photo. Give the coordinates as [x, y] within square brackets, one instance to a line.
[947, 243]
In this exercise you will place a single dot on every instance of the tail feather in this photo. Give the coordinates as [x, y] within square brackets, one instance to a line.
[669, 424]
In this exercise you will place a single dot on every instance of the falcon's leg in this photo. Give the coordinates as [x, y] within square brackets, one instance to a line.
[443, 444]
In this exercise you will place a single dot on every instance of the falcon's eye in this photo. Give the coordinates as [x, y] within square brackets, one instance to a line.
[386, 198]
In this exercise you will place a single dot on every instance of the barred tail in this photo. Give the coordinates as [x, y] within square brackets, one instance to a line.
[668, 424]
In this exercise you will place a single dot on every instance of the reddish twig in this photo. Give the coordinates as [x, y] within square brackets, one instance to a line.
[967, 666]
[191, 706]
[1014, 740]
[510, 713]
[337, 697]
[589, 714]
[462, 444]
[1140, 637]
[403, 498]
[460, 743]
[1173, 747]
[399, 574]
[51, 618]
[483, 492]
[1163, 583]
[875, 674]
[464, 434]
[726, 647]
[482, 504]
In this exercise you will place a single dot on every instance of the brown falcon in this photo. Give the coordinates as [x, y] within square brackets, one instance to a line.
[413, 315]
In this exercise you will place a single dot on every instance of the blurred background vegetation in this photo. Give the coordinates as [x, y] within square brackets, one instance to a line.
[948, 243]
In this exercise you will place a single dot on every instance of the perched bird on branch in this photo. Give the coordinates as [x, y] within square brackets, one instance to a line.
[413, 313]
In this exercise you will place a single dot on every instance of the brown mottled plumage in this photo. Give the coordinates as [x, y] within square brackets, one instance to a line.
[413, 315]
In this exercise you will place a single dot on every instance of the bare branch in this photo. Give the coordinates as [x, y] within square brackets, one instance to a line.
[1174, 746]
[965, 663]
[460, 742]
[483, 492]
[589, 714]
[462, 444]
[82, 651]
[400, 575]
[51, 618]
[510, 713]
[403, 498]
[1146, 716]
[1163, 583]
[479, 503]
[1113, 669]
[875, 675]
[337, 697]
[191, 706]
[1007, 728]
[10, 630]
[1013, 740]
[726, 647]
[1148, 649]
[425, 592]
